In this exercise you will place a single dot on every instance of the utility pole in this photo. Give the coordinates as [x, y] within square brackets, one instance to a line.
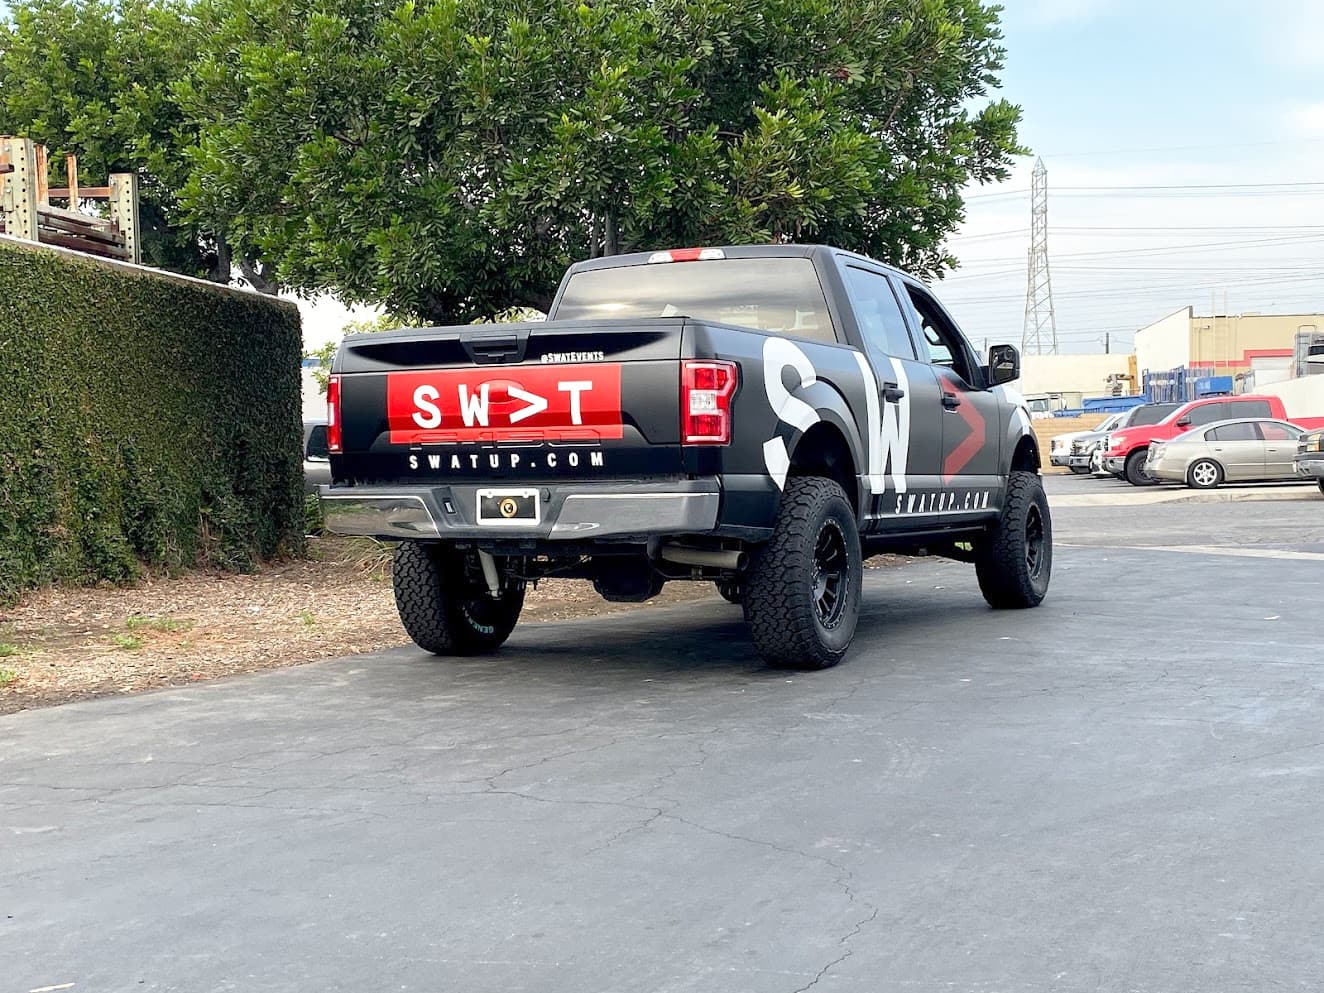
[1107, 343]
[1040, 321]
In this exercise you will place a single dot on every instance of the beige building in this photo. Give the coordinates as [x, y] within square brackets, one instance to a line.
[1072, 375]
[1227, 344]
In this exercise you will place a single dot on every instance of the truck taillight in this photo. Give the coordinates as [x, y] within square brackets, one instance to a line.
[706, 389]
[333, 414]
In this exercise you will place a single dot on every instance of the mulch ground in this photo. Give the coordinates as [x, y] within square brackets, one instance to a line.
[64, 644]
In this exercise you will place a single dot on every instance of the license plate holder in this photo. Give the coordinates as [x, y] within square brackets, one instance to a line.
[509, 507]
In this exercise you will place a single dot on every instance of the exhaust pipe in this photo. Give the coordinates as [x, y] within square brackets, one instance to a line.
[713, 559]
[490, 574]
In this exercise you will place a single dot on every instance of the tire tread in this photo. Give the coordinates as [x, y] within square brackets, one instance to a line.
[1000, 556]
[781, 620]
[424, 579]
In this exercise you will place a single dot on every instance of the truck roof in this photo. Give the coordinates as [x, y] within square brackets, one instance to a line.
[796, 251]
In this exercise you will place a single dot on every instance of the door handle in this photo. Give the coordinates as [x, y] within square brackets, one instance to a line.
[892, 394]
[951, 401]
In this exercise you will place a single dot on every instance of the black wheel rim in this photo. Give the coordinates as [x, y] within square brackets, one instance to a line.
[831, 575]
[1035, 541]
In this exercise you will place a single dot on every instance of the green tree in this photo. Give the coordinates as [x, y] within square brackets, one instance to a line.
[93, 78]
[448, 158]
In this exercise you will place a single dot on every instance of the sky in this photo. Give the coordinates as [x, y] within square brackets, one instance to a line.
[1169, 93]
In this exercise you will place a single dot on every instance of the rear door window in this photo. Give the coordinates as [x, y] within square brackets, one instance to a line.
[1249, 408]
[1274, 431]
[879, 314]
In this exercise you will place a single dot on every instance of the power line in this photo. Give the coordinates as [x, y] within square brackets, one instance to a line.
[992, 196]
[1168, 249]
[1205, 227]
[1195, 186]
[1178, 148]
[1174, 289]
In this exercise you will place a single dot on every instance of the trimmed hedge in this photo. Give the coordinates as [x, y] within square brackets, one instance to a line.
[143, 419]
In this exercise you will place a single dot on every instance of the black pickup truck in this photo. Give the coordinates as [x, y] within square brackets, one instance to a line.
[761, 418]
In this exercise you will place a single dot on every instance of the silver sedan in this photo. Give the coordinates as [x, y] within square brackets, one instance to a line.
[1237, 451]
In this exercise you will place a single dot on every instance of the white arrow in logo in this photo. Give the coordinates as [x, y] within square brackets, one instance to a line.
[536, 404]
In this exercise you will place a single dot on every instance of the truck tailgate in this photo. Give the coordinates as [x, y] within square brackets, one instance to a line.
[584, 399]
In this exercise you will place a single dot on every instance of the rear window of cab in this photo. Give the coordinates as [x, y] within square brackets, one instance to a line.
[782, 295]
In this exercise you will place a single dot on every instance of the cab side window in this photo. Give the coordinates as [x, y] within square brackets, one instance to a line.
[940, 337]
[879, 314]
[1208, 413]
[1249, 408]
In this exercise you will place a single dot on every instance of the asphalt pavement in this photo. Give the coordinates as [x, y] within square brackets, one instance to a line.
[1117, 791]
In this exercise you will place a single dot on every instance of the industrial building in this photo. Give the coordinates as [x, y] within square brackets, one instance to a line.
[1183, 355]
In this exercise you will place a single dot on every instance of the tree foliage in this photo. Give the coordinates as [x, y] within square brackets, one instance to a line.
[449, 158]
[94, 78]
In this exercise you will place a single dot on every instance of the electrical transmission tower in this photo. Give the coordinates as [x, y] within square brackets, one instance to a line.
[1040, 321]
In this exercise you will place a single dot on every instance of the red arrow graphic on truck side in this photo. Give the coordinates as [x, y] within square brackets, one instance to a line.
[960, 456]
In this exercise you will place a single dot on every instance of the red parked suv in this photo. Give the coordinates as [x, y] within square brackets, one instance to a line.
[1125, 451]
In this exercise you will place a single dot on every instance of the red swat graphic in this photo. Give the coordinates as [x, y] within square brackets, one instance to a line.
[528, 403]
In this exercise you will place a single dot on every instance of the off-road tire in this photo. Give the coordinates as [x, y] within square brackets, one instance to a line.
[1135, 469]
[444, 612]
[1195, 484]
[782, 603]
[1010, 577]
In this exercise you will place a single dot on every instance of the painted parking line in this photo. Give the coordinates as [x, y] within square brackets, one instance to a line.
[1225, 550]
[1149, 497]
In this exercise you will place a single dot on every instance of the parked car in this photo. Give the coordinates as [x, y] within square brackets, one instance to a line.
[1310, 457]
[316, 458]
[1128, 449]
[758, 417]
[1087, 450]
[1249, 450]
[1060, 448]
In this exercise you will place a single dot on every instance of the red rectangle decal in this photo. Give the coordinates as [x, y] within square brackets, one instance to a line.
[515, 403]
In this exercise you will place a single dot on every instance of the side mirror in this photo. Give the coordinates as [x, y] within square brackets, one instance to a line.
[1004, 365]
[1184, 423]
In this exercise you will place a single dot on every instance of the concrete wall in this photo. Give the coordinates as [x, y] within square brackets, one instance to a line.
[1303, 397]
[1083, 374]
[1048, 428]
[1166, 343]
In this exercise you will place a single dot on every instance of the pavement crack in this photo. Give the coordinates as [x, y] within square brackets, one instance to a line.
[844, 879]
[847, 951]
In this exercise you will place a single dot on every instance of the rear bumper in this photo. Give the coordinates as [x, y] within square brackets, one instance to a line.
[569, 512]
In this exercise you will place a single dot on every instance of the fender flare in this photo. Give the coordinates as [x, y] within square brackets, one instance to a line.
[834, 410]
